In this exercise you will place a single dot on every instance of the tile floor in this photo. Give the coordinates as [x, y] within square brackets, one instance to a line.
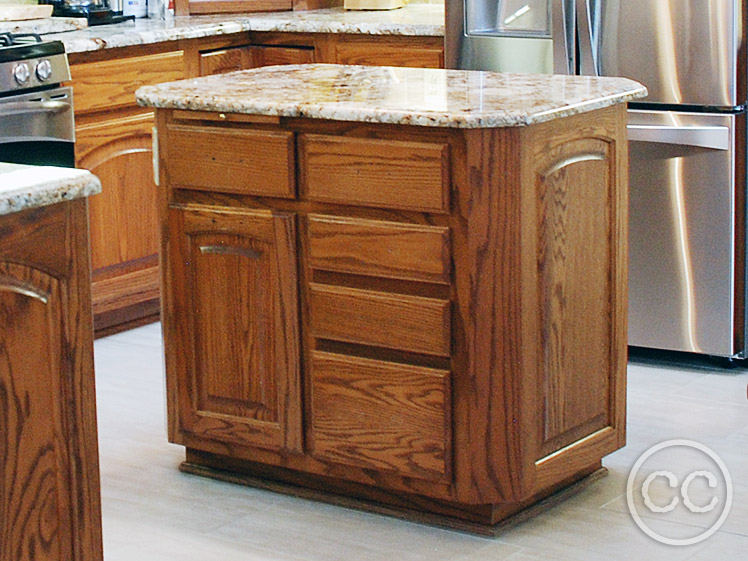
[152, 512]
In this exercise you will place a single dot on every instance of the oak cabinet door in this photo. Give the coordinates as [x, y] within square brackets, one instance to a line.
[240, 384]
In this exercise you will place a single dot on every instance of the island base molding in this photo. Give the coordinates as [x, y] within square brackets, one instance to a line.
[481, 519]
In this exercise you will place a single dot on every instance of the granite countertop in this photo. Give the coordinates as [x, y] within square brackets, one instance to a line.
[43, 26]
[406, 96]
[424, 19]
[23, 187]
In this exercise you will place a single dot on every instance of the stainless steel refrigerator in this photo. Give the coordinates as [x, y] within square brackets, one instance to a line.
[687, 271]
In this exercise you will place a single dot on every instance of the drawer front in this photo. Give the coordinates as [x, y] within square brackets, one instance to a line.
[379, 249]
[381, 415]
[396, 321]
[376, 173]
[109, 84]
[248, 162]
[225, 60]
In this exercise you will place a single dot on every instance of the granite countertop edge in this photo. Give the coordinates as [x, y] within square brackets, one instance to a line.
[26, 187]
[158, 96]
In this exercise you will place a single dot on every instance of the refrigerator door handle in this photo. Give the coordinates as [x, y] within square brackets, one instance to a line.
[564, 51]
[588, 59]
[714, 137]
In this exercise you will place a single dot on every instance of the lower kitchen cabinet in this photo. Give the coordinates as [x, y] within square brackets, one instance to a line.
[49, 474]
[227, 266]
[417, 318]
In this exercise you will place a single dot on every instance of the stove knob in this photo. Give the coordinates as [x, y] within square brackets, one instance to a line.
[43, 70]
[21, 73]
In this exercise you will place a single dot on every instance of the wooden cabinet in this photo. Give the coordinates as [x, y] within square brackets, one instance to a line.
[49, 477]
[461, 348]
[114, 141]
[236, 267]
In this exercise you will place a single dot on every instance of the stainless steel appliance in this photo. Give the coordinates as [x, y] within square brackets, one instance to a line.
[687, 272]
[36, 112]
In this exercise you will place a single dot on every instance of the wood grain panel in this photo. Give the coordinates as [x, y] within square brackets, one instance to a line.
[396, 321]
[374, 54]
[105, 85]
[34, 500]
[232, 160]
[225, 60]
[237, 269]
[120, 153]
[270, 56]
[574, 212]
[381, 415]
[380, 249]
[371, 172]
[195, 7]
[49, 477]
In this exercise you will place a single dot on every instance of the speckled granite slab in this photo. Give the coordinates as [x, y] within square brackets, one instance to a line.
[23, 187]
[413, 19]
[44, 25]
[405, 96]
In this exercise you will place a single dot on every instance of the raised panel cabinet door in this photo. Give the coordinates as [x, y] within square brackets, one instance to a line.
[232, 295]
[123, 218]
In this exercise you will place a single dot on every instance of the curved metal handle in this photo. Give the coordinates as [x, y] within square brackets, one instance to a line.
[21, 107]
[714, 137]
[588, 59]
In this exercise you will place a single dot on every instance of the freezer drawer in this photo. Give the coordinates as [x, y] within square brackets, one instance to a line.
[684, 51]
[682, 232]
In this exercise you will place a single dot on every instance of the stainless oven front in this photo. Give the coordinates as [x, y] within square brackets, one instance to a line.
[38, 128]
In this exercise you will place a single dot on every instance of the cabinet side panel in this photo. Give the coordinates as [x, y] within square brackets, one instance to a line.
[574, 197]
[32, 471]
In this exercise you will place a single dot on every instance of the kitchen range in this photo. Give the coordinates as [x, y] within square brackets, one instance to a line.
[687, 142]
[36, 112]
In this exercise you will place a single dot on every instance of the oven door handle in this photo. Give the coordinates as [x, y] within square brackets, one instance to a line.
[714, 137]
[22, 107]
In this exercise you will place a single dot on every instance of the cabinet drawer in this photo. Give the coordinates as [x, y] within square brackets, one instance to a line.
[381, 415]
[381, 249]
[225, 60]
[241, 161]
[112, 83]
[395, 321]
[375, 172]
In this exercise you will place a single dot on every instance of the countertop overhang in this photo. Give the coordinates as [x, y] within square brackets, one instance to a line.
[404, 96]
[23, 187]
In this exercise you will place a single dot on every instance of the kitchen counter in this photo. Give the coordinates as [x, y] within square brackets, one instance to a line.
[398, 289]
[23, 187]
[403, 96]
[43, 26]
[417, 19]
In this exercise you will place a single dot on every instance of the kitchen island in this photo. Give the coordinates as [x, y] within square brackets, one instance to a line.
[399, 289]
[49, 471]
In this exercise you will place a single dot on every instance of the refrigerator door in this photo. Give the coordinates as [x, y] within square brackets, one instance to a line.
[531, 36]
[682, 232]
[684, 51]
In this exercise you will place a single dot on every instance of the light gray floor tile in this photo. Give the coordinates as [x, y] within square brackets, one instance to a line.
[152, 512]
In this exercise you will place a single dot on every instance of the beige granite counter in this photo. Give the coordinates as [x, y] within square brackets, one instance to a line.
[417, 19]
[23, 187]
[405, 96]
[43, 26]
